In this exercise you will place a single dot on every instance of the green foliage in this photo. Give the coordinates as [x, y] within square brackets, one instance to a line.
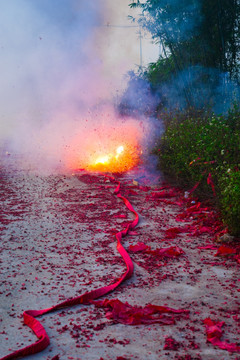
[161, 71]
[230, 201]
[135, 4]
[194, 34]
[219, 34]
[195, 146]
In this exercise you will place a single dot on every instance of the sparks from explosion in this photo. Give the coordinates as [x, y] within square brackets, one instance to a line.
[123, 159]
[107, 158]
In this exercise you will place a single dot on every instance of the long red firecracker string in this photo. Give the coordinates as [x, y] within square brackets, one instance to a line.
[86, 298]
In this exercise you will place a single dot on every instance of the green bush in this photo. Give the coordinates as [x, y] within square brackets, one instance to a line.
[161, 71]
[230, 201]
[194, 146]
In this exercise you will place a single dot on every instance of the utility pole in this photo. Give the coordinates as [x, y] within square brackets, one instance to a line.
[140, 40]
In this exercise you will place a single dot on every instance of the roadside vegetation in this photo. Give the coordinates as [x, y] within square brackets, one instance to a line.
[203, 154]
[196, 85]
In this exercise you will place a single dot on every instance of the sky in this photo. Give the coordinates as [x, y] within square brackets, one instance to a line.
[121, 44]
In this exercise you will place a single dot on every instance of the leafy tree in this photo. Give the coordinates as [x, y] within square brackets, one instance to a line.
[194, 34]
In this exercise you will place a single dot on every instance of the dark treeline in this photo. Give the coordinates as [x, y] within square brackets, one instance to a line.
[199, 39]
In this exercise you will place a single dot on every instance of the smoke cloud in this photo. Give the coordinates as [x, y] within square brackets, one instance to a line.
[200, 87]
[56, 87]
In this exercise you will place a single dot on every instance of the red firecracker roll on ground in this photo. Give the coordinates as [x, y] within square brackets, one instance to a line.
[29, 316]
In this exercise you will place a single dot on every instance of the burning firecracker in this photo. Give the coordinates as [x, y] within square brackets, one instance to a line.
[121, 159]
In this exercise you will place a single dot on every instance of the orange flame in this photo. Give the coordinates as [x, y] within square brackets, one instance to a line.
[122, 159]
[112, 145]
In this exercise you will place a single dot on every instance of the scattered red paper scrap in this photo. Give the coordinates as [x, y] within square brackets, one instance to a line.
[127, 314]
[163, 194]
[171, 344]
[171, 233]
[225, 250]
[211, 183]
[237, 257]
[140, 246]
[214, 333]
[170, 252]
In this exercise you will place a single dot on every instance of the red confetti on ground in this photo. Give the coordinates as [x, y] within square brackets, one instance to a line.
[138, 247]
[135, 315]
[171, 344]
[171, 252]
[206, 284]
[214, 333]
[163, 194]
[30, 315]
[225, 250]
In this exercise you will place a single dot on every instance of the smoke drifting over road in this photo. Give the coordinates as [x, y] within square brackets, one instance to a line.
[54, 89]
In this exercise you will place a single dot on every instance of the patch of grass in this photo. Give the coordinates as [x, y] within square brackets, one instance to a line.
[205, 150]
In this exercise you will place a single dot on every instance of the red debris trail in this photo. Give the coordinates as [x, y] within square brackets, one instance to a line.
[205, 280]
[214, 333]
[29, 316]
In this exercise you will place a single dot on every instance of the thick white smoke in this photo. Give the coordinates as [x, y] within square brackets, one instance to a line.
[59, 71]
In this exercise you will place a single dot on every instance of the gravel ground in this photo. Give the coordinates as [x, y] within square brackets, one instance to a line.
[57, 242]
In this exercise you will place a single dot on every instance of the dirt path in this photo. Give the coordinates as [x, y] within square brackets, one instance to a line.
[57, 241]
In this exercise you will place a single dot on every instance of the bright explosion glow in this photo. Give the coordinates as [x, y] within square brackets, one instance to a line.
[107, 158]
[113, 146]
[122, 159]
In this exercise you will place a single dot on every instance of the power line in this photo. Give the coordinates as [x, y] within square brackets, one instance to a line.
[120, 26]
